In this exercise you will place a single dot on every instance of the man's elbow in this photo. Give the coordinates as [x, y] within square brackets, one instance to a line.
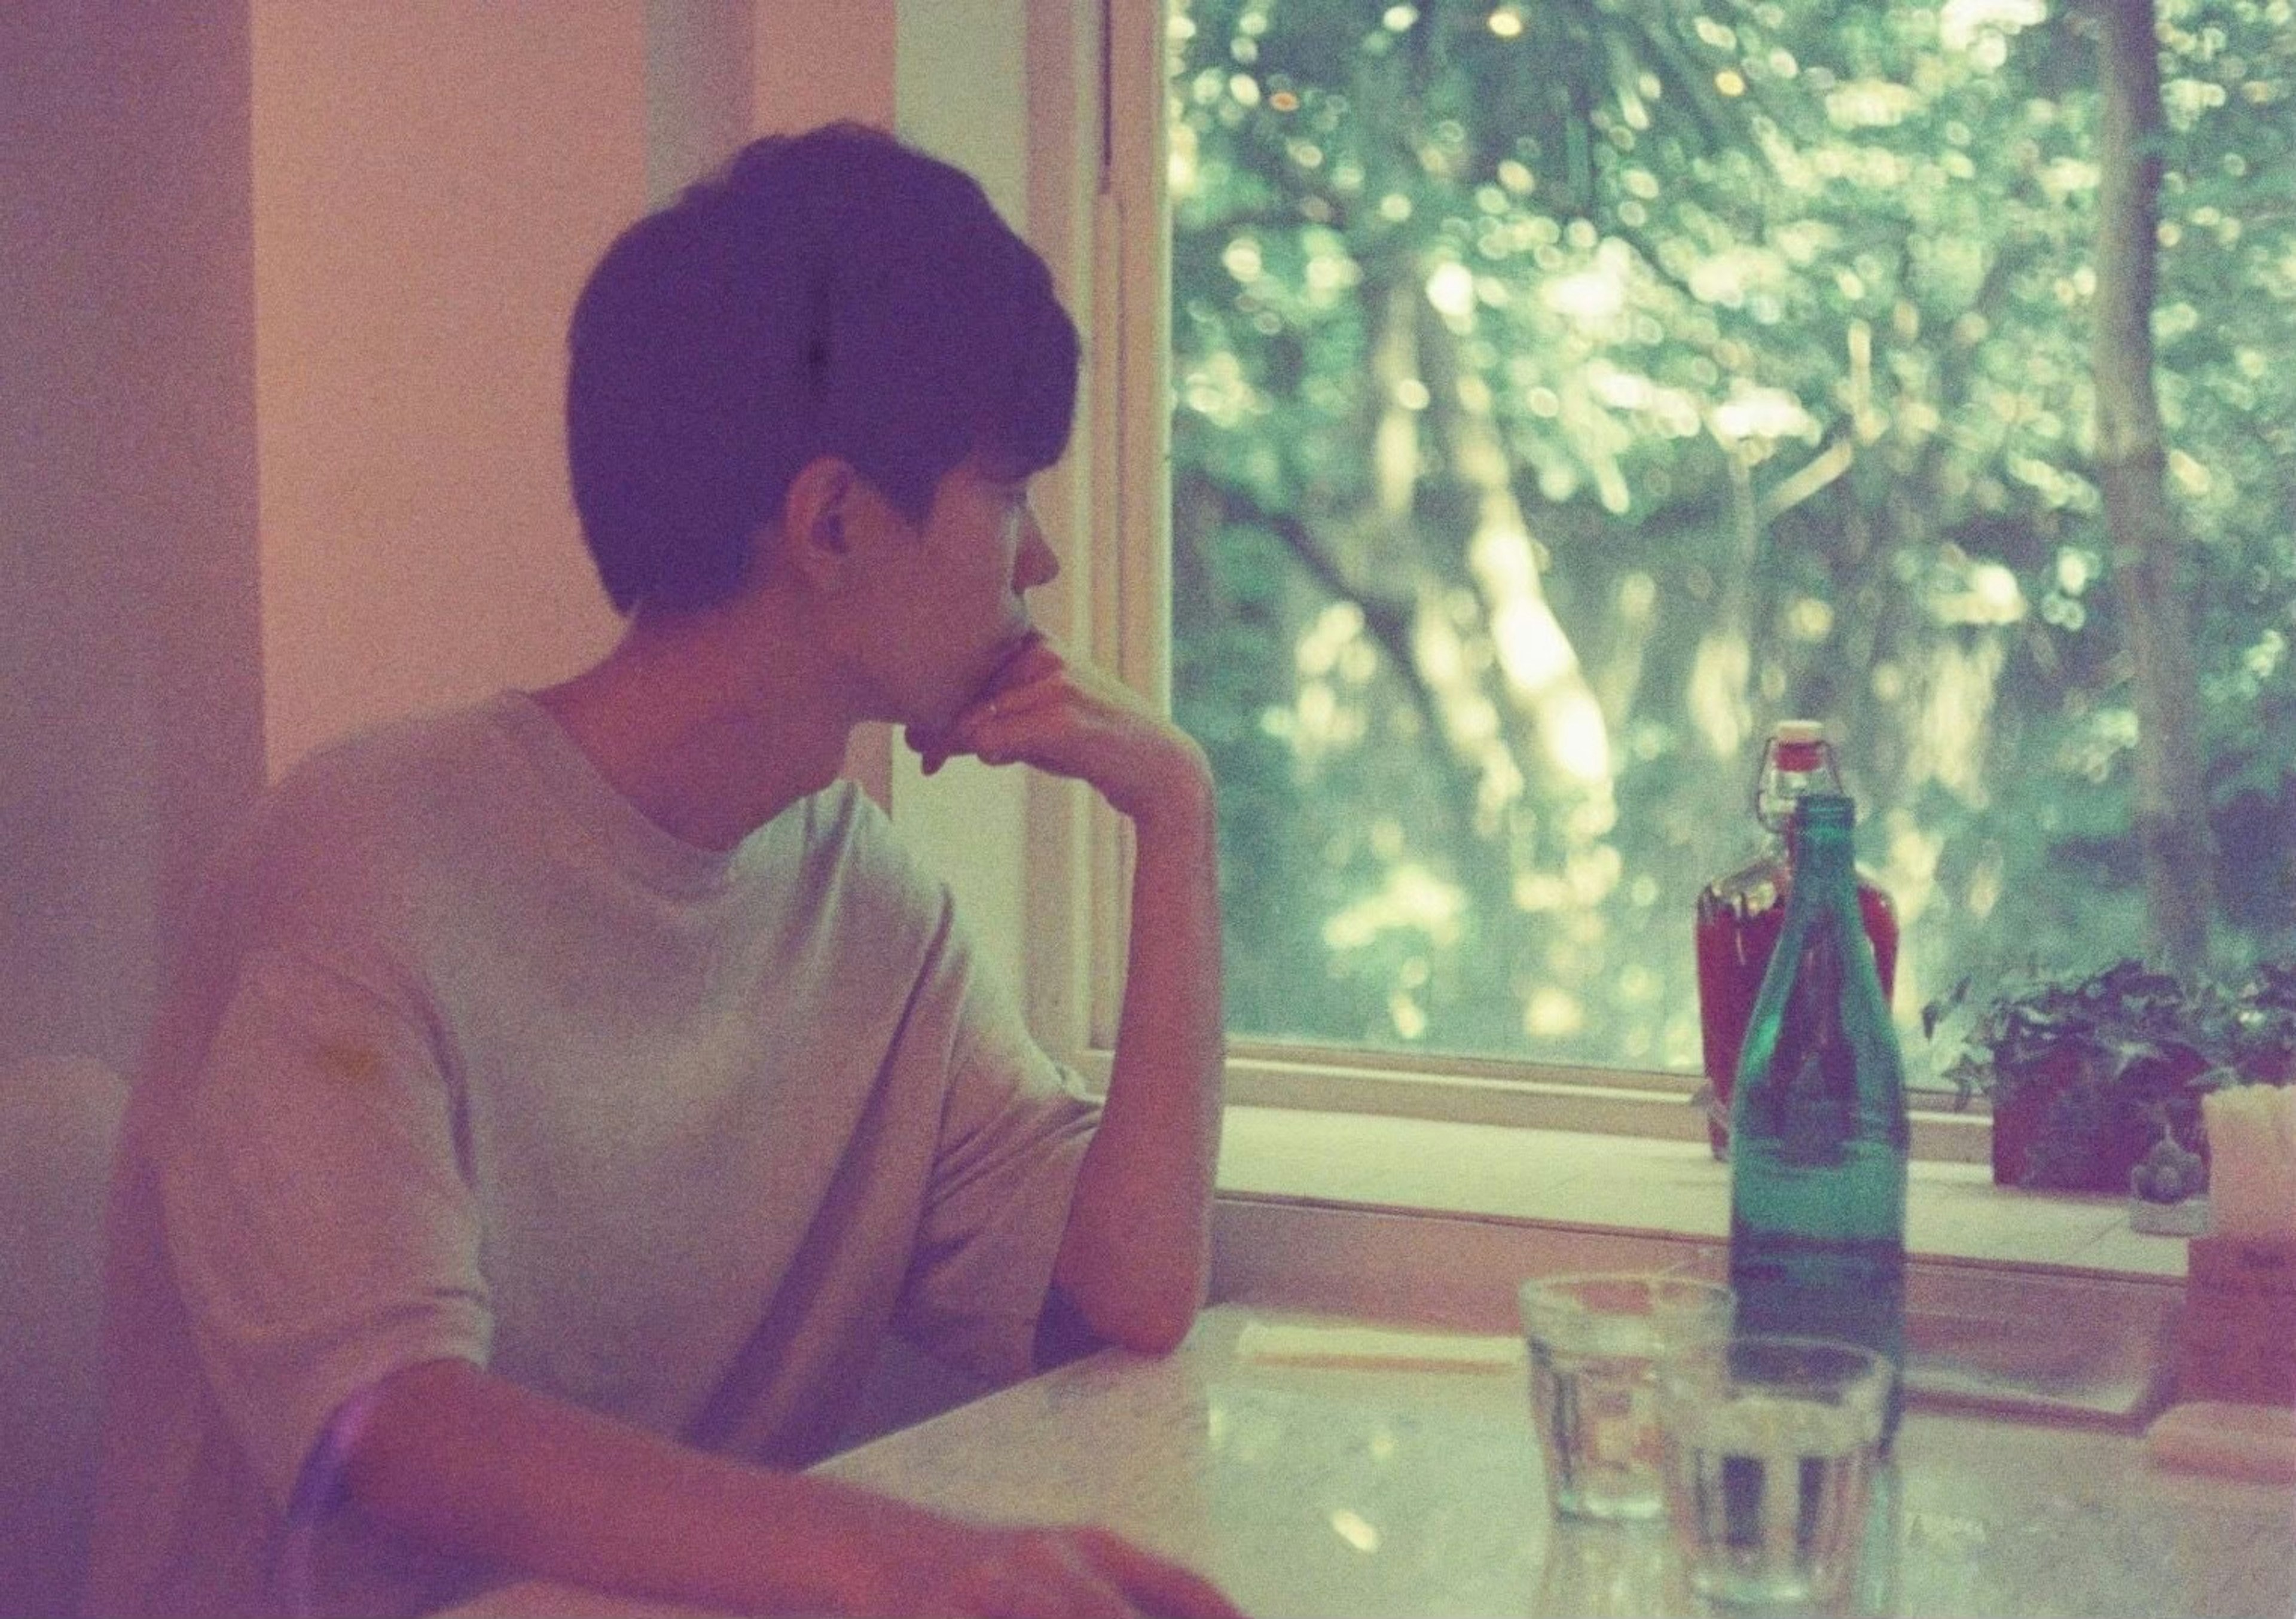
[1157, 1336]
[1143, 1295]
[1151, 1323]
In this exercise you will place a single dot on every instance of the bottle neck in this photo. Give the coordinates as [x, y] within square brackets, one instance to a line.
[1789, 787]
[1823, 843]
[1792, 771]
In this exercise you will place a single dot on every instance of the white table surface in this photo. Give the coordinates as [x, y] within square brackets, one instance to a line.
[1318, 1490]
[1311, 1491]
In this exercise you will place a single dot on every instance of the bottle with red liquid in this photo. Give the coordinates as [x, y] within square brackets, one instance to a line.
[1739, 914]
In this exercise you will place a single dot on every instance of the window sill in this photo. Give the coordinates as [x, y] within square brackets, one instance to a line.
[2026, 1304]
[1468, 1090]
[1603, 1151]
[1640, 1186]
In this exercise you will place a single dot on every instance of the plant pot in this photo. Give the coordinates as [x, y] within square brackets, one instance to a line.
[2059, 1128]
[2021, 1113]
[2186, 1218]
[2016, 1121]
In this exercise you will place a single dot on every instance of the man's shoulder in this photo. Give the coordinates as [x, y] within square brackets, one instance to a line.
[396, 759]
[834, 870]
[372, 807]
[851, 842]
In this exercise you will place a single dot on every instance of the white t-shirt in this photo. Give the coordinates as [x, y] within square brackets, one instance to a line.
[471, 1059]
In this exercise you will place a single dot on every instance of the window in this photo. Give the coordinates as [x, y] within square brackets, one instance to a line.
[1565, 392]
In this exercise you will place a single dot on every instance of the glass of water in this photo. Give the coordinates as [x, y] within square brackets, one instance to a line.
[1596, 1342]
[1770, 1446]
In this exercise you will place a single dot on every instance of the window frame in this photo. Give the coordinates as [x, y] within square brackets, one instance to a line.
[1113, 124]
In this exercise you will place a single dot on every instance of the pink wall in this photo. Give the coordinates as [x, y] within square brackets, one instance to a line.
[818, 61]
[432, 181]
[131, 701]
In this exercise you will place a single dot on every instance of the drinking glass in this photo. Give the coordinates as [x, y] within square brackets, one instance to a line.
[1770, 1445]
[1609, 1571]
[1596, 1342]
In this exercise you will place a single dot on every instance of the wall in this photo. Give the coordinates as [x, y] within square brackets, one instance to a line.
[432, 181]
[131, 701]
[130, 730]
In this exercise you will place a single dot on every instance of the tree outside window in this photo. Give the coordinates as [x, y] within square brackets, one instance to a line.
[1566, 392]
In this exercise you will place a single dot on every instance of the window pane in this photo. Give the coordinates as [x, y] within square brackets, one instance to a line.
[1566, 392]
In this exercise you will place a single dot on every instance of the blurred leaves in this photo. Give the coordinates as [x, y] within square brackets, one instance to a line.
[1638, 372]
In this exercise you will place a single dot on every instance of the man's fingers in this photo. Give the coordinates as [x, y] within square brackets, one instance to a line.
[931, 746]
[1031, 659]
[995, 727]
[1043, 1574]
[1025, 698]
[1163, 1590]
[1067, 719]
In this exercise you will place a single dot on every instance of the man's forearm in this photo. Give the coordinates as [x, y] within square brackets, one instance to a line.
[1138, 1249]
[474, 1465]
[468, 1462]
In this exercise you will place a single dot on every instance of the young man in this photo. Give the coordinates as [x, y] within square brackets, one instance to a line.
[563, 1097]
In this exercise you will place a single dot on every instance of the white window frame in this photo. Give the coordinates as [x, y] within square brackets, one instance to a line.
[1118, 275]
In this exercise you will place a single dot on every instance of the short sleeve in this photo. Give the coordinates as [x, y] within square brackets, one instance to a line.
[1013, 1131]
[319, 1217]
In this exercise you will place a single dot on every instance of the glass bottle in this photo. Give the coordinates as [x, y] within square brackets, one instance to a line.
[1818, 1135]
[1739, 914]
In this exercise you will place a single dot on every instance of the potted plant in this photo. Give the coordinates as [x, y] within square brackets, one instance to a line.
[2260, 1045]
[2090, 1077]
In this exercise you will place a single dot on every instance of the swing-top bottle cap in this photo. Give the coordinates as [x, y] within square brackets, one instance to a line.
[1799, 745]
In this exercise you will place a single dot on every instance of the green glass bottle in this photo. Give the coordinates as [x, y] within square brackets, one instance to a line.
[1818, 1131]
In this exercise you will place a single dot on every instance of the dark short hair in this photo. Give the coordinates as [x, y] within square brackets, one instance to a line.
[832, 293]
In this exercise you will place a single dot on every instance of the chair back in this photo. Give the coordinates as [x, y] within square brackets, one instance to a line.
[58, 1119]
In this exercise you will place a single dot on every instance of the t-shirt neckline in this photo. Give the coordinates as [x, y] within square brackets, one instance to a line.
[658, 857]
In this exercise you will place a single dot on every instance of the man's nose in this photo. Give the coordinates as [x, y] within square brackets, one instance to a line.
[1038, 563]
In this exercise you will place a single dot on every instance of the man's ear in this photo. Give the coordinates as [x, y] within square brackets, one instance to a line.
[817, 514]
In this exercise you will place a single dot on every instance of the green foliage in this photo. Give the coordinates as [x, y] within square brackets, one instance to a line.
[2125, 1020]
[1567, 392]
[2115, 1062]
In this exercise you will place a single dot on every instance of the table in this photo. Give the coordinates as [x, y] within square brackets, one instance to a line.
[1318, 1490]
[1324, 1491]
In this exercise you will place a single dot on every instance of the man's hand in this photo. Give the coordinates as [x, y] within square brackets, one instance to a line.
[1069, 719]
[1137, 1253]
[1037, 1574]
